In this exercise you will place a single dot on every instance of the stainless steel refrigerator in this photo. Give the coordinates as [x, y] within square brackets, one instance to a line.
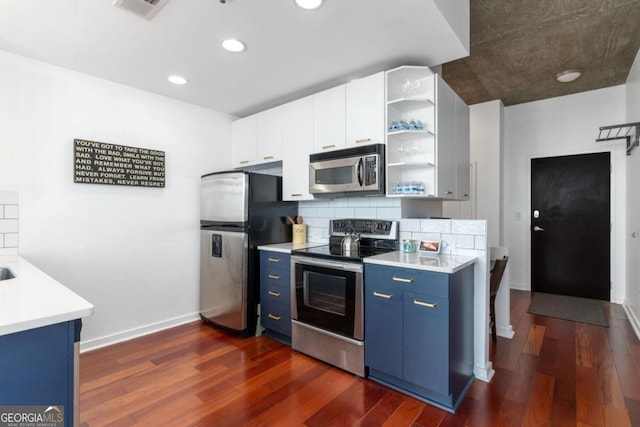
[238, 211]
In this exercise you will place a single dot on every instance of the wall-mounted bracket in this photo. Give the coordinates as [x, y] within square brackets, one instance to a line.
[628, 131]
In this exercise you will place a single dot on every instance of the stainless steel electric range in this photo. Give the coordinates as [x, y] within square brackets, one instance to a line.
[327, 296]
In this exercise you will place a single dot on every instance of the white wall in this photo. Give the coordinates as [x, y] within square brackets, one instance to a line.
[632, 301]
[555, 127]
[131, 251]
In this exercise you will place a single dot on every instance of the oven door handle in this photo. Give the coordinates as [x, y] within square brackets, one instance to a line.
[328, 264]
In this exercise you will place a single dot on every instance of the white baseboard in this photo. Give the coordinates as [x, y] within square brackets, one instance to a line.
[633, 319]
[118, 337]
[505, 331]
[484, 374]
[519, 286]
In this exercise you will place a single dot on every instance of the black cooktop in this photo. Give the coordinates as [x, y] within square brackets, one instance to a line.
[376, 237]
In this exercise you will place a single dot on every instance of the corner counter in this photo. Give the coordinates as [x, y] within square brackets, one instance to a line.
[438, 263]
[39, 336]
[287, 247]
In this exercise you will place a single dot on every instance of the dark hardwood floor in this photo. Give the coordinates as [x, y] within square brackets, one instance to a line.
[552, 373]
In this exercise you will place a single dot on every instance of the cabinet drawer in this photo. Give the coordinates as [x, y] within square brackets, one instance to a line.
[276, 293]
[277, 317]
[407, 279]
[275, 262]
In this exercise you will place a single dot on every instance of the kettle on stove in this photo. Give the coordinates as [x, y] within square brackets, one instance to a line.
[350, 243]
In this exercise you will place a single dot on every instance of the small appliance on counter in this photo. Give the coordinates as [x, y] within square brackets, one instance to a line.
[239, 211]
[327, 295]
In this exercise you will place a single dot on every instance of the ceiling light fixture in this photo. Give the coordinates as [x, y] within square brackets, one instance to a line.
[233, 45]
[309, 4]
[177, 80]
[568, 76]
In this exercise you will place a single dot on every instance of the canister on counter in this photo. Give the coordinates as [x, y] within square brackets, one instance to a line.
[409, 245]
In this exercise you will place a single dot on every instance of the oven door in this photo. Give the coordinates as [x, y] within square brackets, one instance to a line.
[328, 295]
[336, 175]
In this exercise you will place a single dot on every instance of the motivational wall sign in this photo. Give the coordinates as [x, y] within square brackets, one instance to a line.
[101, 163]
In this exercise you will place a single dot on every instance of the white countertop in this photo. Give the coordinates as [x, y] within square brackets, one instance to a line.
[420, 261]
[288, 247]
[34, 299]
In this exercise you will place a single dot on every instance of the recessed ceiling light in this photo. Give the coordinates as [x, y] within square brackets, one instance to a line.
[177, 80]
[233, 45]
[568, 76]
[309, 4]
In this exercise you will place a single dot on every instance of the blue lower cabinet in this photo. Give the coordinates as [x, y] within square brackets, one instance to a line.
[419, 332]
[275, 295]
[37, 369]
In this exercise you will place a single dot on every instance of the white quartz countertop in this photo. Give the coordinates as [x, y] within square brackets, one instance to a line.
[288, 247]
[34, 299]
[420, 261]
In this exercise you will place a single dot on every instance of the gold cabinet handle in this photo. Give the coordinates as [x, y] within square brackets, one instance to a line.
[378, 294]
[268, 158]
[448, 192]
[402, 279]
[274, 317]
[324, 147]
[424, 304]
[244, 162]
[358, 141]
[273, 259]
[274, 294]
[273, 276]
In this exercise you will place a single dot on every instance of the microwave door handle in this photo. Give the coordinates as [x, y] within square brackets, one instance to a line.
[360, 171]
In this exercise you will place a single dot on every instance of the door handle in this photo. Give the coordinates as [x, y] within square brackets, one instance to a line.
[536, 228]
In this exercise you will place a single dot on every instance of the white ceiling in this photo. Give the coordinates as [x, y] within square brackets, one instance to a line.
[290, 52]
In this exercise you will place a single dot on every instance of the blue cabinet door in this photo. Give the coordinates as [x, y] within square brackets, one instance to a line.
[36, 368]
[426, 342]
[383, 323]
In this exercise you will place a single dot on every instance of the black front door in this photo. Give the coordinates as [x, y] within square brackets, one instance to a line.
[570, 225]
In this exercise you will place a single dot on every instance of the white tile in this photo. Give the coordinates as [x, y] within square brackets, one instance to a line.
[8, 251]
[477, 227]
[11, 211]
[448, 243]
[426, 236]
[465, 241]
[365, 212]
[1, 211]
[410, 225]
[315, 221]
[8, 197]
[359, 202]
[9, 226]
[340, 202]
[481, 242]
[325, 213]
[381, 202]
[1, 240]
[435, 225]
[306, 204]
[344, 212]
[305, 211]
[389, 213]
[406, 235]
[11, 240]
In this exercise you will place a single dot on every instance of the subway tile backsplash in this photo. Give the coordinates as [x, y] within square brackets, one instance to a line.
[8, 222]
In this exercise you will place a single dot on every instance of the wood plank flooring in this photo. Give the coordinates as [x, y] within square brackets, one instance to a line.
[552, 373]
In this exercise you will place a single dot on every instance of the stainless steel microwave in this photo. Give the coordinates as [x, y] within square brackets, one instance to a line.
[352, 170]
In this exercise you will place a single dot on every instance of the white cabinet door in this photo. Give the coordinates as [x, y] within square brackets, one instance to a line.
[365, 110]
[243, 142]
[446, 167]
[329, 119]
[463, 160]
[297, 145]
[269, 135]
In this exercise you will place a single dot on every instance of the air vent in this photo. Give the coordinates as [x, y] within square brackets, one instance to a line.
[145, 8]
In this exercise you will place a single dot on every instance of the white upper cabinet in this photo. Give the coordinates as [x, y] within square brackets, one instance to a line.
[427, 131]
[329, 119]
[243, 142]
[365, 110]
[297, 146]
[269, 135]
